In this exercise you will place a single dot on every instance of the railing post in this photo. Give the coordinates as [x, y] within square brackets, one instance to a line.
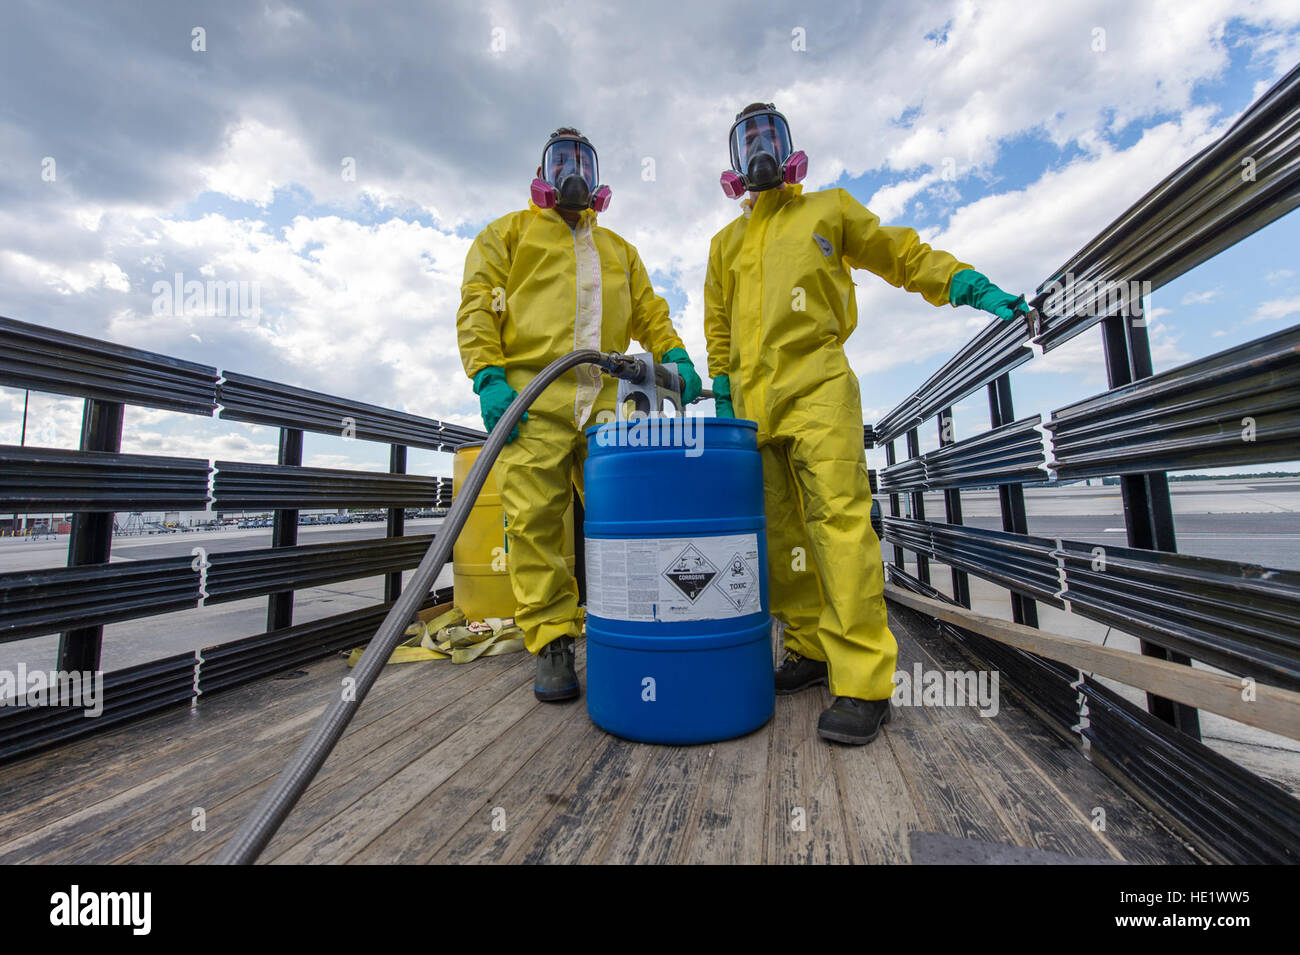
[1148, 510]
[22, 442]
[396, 523]
[894, 509]
[91, 537]
[952, 510]
[918, 508]
[284, 532]
[1011, 497]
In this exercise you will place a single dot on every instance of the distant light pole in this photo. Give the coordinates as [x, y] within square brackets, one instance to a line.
[22, 442]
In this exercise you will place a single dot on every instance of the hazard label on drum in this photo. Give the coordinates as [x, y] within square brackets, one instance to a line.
[691, 572]
[737, 582]
[671, 579]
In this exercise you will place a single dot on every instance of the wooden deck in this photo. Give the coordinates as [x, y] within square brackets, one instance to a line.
[457, 764]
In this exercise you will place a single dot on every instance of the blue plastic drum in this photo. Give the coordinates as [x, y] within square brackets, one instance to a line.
[678, 634]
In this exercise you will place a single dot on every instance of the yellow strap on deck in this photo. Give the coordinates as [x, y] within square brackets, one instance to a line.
[442, 634]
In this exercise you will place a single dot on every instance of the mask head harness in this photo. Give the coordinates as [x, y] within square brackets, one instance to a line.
[570, 177]
[762, 156]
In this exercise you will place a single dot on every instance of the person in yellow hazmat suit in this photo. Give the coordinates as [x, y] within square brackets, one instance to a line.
[778, 307]
[540, 283]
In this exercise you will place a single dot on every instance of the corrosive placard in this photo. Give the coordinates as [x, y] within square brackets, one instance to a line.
[673, 579]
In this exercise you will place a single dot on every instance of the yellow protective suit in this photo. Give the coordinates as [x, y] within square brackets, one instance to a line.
[778, 307]
[536, 289]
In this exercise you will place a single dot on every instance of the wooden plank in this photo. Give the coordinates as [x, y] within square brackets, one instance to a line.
[1134, 832]
[130, 757]
[730, 817]
[581, 820]
[106, 831]
[468, 794]
[877, 802]
[122, 823]
[805, 822]
[528, 798]
[468, 730]
[571, 793]
[657, 816]
[103, 758]
[940, 783]
[944, 791]
[366, 755]
[1273, 709]
[1032, 808]
[121, 754]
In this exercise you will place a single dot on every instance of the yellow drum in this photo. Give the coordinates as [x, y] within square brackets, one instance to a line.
[480, 558]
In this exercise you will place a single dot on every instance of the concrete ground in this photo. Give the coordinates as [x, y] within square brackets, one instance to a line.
[1256, 521]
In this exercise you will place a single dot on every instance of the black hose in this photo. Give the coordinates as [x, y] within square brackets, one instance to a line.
[262, 823]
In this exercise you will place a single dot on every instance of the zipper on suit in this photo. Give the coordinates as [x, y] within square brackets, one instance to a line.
[577, 311]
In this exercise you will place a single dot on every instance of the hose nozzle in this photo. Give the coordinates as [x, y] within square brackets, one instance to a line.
[621, 366]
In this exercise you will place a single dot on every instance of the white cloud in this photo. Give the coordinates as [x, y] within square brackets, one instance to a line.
[339, 461]
[364, 312]
[1275, 309]
[191, 443]
[1200, 298]
[890, 201]
[256, 160]
[1082, 358]
[52, 421]
[67, 278]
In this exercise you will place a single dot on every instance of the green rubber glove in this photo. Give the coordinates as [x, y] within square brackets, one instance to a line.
[973, 288]
[691, 384]
[722, 397]
[494, 397]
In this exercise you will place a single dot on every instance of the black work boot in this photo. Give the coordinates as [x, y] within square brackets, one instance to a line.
[556, 678]
[850, 720]
[798, 673]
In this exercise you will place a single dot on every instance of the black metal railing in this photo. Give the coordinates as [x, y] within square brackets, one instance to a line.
[94, 482]
[1238, 407]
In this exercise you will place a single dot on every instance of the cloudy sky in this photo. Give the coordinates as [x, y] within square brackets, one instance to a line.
[340, 157]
